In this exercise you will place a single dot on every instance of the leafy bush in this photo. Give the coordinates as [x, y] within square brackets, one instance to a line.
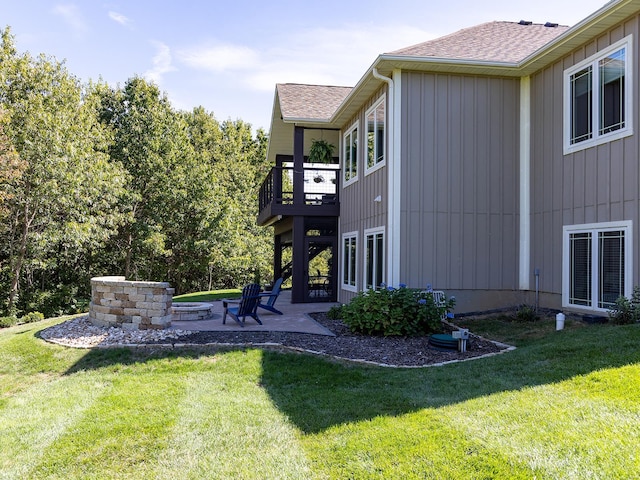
[31, 317]
[12, 320]
[9, 321]
[335, 312]
[525, 313]
[395, 311]
[63, 300]
[626, 310]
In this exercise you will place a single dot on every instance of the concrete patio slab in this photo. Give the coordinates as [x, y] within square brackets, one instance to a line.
[295, 318]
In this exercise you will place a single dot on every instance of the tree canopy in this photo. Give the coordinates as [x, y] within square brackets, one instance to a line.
[97, 180]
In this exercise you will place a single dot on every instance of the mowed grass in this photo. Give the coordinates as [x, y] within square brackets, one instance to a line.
[563, 405]
[209, 296]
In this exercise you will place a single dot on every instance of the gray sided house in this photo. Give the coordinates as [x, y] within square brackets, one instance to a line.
[498, 163]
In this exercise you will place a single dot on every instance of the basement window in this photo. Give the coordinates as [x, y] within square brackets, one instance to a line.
[597, 265]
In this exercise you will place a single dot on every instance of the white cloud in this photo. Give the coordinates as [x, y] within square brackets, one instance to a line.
[72, 17]
[120, 18]
[320, 56]
[162, 63]
[220, 58]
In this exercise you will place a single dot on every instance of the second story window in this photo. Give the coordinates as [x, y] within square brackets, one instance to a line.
[350, 155]
[598, 98]
[376, 135]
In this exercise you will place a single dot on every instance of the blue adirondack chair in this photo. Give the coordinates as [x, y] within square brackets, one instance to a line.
[246, 306]
[271, 297]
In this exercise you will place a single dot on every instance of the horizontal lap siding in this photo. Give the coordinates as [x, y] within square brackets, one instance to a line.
[459, 216]
[598, 184]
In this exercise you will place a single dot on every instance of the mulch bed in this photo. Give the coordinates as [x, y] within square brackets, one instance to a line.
[393, 351]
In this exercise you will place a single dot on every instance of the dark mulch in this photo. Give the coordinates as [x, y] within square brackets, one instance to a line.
[399, 351]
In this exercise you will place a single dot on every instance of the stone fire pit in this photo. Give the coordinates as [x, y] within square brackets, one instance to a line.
[133, 305]
[188, 311]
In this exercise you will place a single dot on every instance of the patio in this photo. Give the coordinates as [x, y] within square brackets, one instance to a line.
[294, 319]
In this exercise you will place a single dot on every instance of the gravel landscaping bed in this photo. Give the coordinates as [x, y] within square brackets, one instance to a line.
[396, 351]
[393, 351]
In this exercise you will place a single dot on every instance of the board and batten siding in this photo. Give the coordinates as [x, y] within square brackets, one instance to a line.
[459, 195]
[597, 184]
[358, 210]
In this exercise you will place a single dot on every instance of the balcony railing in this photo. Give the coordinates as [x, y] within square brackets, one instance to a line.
[314, 191]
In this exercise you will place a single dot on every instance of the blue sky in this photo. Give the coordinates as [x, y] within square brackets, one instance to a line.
[228, 55]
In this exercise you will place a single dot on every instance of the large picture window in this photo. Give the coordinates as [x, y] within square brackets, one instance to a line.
[598, 98]
[374, 257]
[350, 155]
[349, 260]
[376, 135]
[597, 265]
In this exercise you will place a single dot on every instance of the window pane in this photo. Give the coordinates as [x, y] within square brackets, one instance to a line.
[353, 153]
[379, 265]
[581, 112]
[349, 261]
[611, 250]
[580, 269]
[346, 254]
[380, 133]
[369, 261]
[612, 83]
[350, 155]
[375, 135]
[346, 157]
[371, 128]
[352, 261]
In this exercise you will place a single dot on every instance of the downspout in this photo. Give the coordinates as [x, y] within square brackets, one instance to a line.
[394, 178]
[525, 183]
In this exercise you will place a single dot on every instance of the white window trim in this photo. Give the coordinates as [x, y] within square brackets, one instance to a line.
[346, 286]
[629, 89]
[626, 226]
[355, 177]
[367, 168]
[368, 232]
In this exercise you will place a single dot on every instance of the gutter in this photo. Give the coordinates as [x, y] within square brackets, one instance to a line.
[394, 184]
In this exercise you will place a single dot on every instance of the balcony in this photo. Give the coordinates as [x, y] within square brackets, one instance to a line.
[310, 192]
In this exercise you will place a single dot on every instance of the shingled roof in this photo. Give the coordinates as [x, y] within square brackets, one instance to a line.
[490, 42]
[309, 102]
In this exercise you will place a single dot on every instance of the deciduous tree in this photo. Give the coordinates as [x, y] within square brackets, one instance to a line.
[63, 203]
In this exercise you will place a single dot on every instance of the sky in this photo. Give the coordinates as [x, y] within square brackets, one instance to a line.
[227, 56]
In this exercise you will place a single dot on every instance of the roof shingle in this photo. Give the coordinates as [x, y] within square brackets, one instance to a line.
[491, 42]
[310, 102]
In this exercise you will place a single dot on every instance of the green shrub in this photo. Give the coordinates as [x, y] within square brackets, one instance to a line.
[335, 312]
[525, 313]
[12, 320]
[626, 310]
[31, 317]
[395, 311]
[9, 321]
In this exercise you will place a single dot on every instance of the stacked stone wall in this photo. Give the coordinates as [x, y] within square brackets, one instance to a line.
[116, 302]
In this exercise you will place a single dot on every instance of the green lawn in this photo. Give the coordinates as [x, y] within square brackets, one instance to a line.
[563, 405]
[209, 296]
